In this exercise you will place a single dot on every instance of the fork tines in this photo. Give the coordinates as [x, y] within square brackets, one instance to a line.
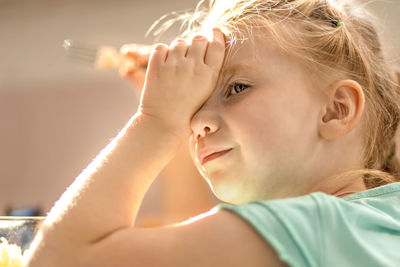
[81, 52]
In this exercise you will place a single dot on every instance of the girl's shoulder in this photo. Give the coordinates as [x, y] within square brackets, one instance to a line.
[302, 229]
[384, 191]
[320, 203]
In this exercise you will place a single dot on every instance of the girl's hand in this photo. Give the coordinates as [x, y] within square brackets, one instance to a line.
[179, 79]
[135, 60]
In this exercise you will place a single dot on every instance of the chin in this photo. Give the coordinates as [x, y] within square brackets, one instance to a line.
[229, 194]
[226, 187]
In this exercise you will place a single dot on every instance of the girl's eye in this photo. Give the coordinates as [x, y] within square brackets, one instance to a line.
[236, 88]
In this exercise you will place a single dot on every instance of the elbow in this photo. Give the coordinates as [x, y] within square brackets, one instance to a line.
[45, 252]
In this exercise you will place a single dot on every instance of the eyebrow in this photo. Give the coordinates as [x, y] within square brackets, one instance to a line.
[236, 68]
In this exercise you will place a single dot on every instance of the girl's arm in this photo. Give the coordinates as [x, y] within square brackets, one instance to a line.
[106, 196]
[91, 224]
[175, 204]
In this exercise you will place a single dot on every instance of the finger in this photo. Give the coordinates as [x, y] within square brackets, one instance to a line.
[135, 56]
[178, 49]
[145, 50]
[216, 49]
[198, 48]
[129, 67]
[158, 55]
[139, 79]
[143, 59]
[137, 51]
[129, 50]
[125, 72]
[136, 77]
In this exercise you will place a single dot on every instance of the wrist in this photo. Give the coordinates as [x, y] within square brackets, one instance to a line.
[180, 131]
[157, 126]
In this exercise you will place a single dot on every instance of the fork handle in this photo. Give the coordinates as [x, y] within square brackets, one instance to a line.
[109, 58]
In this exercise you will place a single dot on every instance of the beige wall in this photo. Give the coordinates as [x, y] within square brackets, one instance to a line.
[55, 115]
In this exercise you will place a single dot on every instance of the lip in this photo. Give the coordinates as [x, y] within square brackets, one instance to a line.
[208, 155]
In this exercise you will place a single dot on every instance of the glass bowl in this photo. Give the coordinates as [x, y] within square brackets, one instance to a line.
[20, 230]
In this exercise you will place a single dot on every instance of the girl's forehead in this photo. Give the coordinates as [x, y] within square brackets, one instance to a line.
[252, 51]
[260, 56]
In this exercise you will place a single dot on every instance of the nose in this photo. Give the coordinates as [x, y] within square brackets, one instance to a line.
[204, 122]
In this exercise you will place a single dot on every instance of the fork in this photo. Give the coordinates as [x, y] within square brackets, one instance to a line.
[99, 57]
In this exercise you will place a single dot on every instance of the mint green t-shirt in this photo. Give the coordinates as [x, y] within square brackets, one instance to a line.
[321, 230]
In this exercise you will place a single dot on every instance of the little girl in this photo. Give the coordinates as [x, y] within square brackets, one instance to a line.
[290, 111]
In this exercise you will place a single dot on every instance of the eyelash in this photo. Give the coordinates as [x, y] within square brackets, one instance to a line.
[232, 87]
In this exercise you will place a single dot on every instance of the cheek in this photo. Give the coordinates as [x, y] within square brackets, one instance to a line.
[262, 124]
[191, 146]
[255, 124]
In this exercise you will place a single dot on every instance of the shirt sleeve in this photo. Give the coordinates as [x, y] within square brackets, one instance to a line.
[292, 226]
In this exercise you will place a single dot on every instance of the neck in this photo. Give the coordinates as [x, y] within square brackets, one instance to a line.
[354, 187]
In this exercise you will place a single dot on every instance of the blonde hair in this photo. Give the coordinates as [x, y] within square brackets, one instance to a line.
[310, 32]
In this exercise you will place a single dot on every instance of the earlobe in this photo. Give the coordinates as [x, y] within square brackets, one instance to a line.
[343, 109]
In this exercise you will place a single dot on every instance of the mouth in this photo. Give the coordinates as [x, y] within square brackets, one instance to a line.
[214, 156]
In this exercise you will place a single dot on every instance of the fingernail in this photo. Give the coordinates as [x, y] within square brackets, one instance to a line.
[124, 49]
[199, 37]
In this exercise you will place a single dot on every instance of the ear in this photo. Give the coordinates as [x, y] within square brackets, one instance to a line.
[343, 109]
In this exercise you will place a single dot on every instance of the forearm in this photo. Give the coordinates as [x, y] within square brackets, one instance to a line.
[106, 196]
[196, 198]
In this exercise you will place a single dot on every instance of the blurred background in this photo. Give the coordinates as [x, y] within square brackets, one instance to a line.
[56, 115]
